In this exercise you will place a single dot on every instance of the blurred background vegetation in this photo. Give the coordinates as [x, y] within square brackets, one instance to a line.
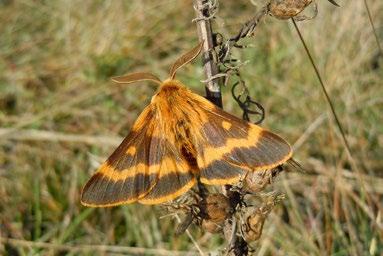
[60, 116]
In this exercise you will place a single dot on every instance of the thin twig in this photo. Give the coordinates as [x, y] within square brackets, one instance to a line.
[191, 237]
[231, 66]
[345, 141]
[231, 233]
[205, 11]
[373, 27]
[205, 33]
[248, 29]
[91, 248]
[329, 101]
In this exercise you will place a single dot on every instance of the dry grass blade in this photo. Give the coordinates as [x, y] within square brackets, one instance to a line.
[328, 99]
[339, 124]
[373, 27]
[38, 135]
[195, 243]
[92, 248]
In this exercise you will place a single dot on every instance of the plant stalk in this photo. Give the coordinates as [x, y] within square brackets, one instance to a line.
[205, 34]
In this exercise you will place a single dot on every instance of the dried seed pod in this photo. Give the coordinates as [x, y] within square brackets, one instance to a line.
[215, 207]
[255, 182]
[214, 210]
[211, 226]
[252, 225]
[208, 211]
[254, 218]
[285, 9]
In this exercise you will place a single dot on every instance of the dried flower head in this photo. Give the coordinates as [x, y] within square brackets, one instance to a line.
[285, 9]
[255, 182]
[254, 217]
[215, 209]
[209, 211]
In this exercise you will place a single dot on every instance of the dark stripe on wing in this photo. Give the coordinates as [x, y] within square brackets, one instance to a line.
[101, 191]
[221, 170]
[146, 152]
[269, 151]
[168, 187]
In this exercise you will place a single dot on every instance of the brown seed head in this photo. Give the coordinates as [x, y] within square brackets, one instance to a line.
[211, 226]
[254, 218]
[252, 225]
[285, 9]
[215, 209]
[255, 182]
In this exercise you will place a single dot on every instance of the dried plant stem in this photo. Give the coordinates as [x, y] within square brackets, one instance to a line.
[373, 27]
[213, 88]
[205, 34]
[51, 136]
[339, 124]
[329, 101]
[200, 251]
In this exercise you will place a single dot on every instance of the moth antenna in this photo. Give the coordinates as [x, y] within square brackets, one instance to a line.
[185, 59]
[135, 77]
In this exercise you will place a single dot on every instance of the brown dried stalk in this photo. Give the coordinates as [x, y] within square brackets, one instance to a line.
[203, 15]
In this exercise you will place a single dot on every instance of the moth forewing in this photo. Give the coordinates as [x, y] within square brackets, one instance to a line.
[230, 147]
[130, 171]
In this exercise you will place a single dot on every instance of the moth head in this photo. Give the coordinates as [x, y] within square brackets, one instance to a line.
[167, 89]
[145, 76]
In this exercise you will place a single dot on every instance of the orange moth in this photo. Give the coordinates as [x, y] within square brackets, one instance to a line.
[178, 138]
